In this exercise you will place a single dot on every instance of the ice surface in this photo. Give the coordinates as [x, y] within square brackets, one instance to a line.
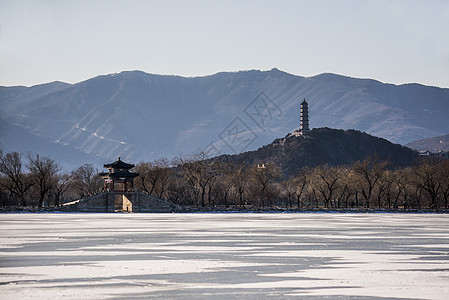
[224, 256]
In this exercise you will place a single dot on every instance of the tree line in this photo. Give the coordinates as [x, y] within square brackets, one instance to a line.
[198, 181]
[38, 181]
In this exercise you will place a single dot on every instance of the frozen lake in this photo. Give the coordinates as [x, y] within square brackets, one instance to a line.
[224, 256]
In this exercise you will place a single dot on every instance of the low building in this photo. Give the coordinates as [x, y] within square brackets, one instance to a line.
[441, 154]
[119, 195]
[118, 178]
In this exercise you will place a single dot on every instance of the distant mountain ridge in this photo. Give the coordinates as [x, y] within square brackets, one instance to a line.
[434, 144]
[325, 146]
[141, 116]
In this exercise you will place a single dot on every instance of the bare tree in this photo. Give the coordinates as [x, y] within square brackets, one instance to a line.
[428, 179]
[264, 175]
[177, 191]
[165, 175]
[390, 191]
[444, 178]
[207, 177]
[200, 174]
[328, 182]
[300, 182]
[239, 177]
[225, 180]
[154, 177]
[345, 187]
[289, 189]
[16, 182]
[350, 188]
[145, 181]
[311, 193]
[214, 172]
[63, 183]
[370, 171]
[86, 180]
[190, 173]
[5, 200]
[44, 171]
[396, 184]
[383, 190]
[402, 181]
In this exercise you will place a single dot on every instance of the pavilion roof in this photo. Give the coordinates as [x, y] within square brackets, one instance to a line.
[119, 164]
[118, 174]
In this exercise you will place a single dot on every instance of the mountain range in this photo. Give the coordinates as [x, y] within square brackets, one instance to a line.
[435, 144]
[141, 116]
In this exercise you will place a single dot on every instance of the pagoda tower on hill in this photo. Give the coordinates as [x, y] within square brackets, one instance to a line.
[304, 121]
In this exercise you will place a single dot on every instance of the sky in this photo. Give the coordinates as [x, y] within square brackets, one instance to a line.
[394, 41]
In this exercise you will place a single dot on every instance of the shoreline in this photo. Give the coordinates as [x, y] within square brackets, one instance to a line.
[193, 210]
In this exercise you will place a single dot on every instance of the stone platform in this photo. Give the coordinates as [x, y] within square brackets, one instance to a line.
[120, 202]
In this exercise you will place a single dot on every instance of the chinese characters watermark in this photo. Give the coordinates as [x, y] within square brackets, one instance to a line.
[262, 109]
[238, 135]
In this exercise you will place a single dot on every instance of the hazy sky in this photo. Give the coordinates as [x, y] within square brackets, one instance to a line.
[392, 41]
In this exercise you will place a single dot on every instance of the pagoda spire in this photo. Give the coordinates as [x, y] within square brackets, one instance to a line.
[304, 121]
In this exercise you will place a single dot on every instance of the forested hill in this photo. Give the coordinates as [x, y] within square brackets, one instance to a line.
[325, 146]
